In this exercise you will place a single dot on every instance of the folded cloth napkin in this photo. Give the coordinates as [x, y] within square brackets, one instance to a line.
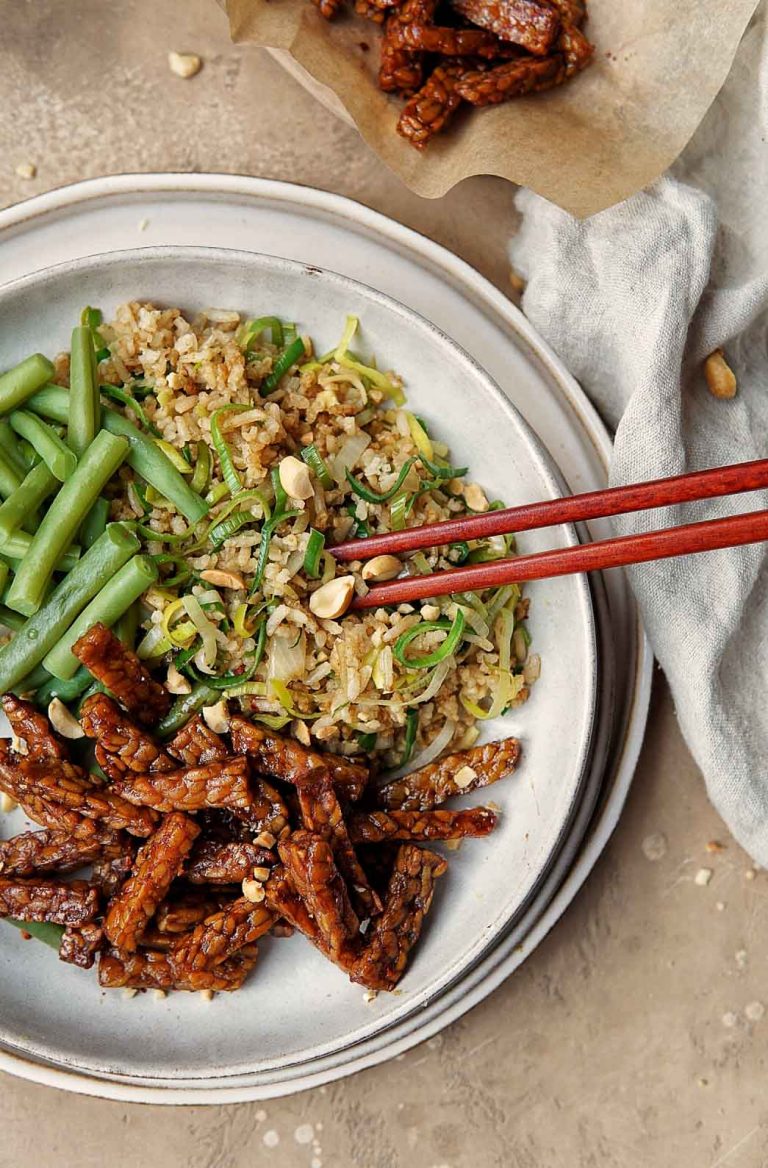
[633, 300]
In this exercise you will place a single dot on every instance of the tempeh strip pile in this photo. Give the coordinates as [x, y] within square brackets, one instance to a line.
[321, 813]
[158, 863]
[196, 744]
[80, 945]
[33, 728]
[227, 862]
[313, 872]
[153, 970]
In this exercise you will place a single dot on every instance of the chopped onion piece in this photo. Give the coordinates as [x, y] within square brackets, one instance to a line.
[346, 457]
[205, 629]
[287, 658]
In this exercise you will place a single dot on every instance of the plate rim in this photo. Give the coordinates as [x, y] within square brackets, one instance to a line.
[470, 283]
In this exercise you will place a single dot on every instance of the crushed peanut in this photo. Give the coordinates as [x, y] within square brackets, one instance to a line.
[703, 877]
[253, 890]
[464, 776]
[26, 170]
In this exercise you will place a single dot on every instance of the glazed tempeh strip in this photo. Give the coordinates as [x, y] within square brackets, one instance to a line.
[529, 23]
[222, 935]
[283, 898]
[79, 946]
[321, 813]
[219, 784]
[393, 934]
[116, 735]
[34, 728]
[225, 862]
[152, 970]
[58, 795]
[45, 900]
[157, 864]
[456, 774]
[179, 914]
[53, 851]
[267, 812]
[120, 670]
[313, 872]
[286, 759]
[196, 744]
[375, 826]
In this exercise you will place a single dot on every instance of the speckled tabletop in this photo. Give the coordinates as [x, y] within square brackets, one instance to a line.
[635, 1034]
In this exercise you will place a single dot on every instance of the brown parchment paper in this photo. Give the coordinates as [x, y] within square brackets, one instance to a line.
[587, 145]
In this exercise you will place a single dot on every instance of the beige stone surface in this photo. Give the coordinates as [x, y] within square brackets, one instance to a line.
[634, 1036]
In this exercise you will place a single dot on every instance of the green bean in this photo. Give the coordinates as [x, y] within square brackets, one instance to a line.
[38, 484]
[10, 619]
[94, 523]
[109, 604]
[148, 460]
[40, 633]
[84, 402]
[64, 516]
[59, 459]
[128, 625]
[11, 447]
[10, 478]
[144, 456]
[23, 380]
[66, 691]
[17, 545]
[185, 706]
[52, 402]
[31, 681]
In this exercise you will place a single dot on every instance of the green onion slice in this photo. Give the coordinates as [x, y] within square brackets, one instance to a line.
[229, 474]
[313, 554]
[399, 511]
[375, 496]
[202, 473]
[411, 727]
[252, 330]
[449, 645]
[316, 464]
[116, 394]
[283, 363]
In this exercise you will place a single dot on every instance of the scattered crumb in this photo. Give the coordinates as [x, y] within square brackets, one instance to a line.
[369, 996]
[316, 1162]
[26, 170]
[730, 1019]
[159, 994]
[749, 874]
[655, 846]
[754, 1011]
[453, 845]
[143, 224]
[740, 957]
[715, 846]
[271, 1138]
[130, 992]
[261, 1115]
[703, 1082]
[304, 1133]
[703, 877]
[516, 281]
[319, 1126]
[185, 65]
[720, 906]
[493, 806]
[206, 995]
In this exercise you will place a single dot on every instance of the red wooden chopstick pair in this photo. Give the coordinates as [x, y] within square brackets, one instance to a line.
[611, 553]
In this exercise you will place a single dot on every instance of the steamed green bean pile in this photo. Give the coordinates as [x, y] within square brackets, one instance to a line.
[63, 566]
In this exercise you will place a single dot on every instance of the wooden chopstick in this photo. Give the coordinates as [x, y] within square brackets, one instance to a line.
[686, 488]
[690, 538]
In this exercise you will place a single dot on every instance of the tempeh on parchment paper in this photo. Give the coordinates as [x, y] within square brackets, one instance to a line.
[585, 146]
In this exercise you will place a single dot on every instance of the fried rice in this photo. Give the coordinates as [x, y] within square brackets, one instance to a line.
[344, 684]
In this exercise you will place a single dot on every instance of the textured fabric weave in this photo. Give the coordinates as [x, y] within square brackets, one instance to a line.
[633, 300]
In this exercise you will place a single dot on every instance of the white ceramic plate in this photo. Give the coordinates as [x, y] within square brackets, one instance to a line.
[318, 227]
[299, 1008]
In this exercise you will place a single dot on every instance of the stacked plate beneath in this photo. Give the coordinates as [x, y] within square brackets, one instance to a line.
[97, 1043]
